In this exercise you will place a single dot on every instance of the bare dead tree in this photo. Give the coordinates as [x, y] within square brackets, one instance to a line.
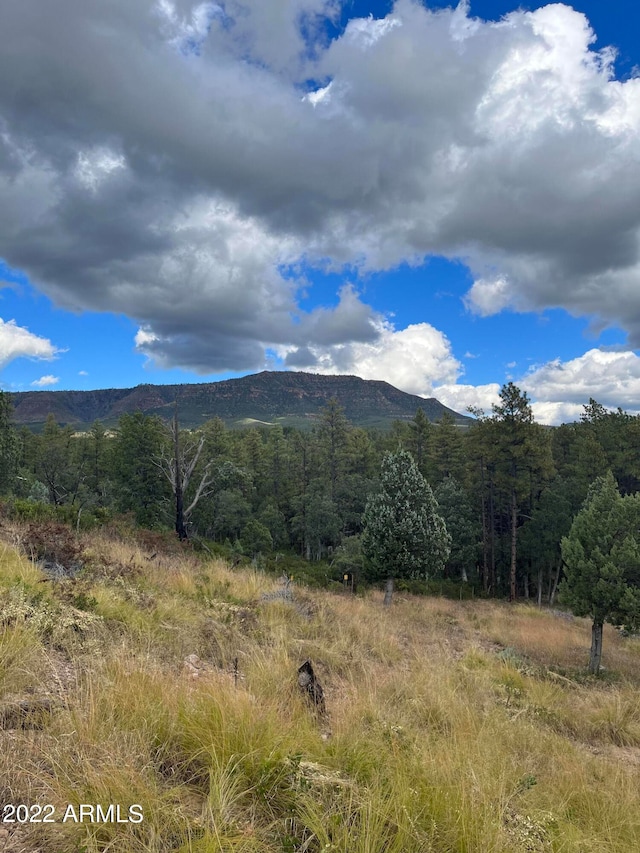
[178, 464]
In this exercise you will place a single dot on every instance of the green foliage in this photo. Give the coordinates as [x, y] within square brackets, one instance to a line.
[274, 520]
[551, 519]
[230, 512]
[518, 484]
[403, 534]
[602, 557]
[29, 510]
[461, 520]
[447, 448]
[256, 538]
[349, 557]
[139, 485]
[421, 435]
[442, 587]
[316, 525]
[9, 446]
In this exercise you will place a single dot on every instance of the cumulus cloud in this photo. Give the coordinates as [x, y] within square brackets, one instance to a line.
[462, 397]
[18, 342]
[560, 390]
[168, 159]
[46, 381]
[557, 413]
[412, 359]
[611, 378]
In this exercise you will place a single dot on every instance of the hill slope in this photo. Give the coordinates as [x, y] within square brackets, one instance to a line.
[170, 683]
[283, 397]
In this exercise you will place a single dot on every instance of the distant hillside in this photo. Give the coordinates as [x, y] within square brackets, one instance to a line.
[269, 397]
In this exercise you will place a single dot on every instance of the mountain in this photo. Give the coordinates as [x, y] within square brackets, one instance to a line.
[269, 397]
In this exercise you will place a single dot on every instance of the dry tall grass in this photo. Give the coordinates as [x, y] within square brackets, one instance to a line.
[450, 726]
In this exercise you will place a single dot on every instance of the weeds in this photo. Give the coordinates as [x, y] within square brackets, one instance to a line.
[450, 726]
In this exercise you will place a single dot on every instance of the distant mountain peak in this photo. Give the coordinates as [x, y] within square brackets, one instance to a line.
[284, 397]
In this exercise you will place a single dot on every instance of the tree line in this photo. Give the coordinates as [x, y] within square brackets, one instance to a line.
[506, 487]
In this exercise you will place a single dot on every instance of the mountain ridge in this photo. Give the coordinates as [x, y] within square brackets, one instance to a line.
[286, 397]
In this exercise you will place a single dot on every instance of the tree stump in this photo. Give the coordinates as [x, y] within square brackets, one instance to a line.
[311, 687]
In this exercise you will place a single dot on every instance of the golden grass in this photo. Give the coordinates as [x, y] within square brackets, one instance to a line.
[450, 727]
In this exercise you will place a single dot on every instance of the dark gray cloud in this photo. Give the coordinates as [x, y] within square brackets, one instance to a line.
[161, 159]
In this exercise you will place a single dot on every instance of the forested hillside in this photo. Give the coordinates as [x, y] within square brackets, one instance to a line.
[506, 487]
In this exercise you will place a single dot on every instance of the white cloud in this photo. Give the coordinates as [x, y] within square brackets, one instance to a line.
[19, 342]
[560, 390]
[83, 373]
[412, 359]
[45, 381]
[488, 296]
[611, 378]
[554, 414]
[461, 397]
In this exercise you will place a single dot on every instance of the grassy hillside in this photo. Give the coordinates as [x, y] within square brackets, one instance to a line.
[449, 726]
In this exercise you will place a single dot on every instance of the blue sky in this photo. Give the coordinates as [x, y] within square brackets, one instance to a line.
[445, 199]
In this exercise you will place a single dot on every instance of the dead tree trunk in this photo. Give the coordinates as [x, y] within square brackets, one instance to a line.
[181, 529]
[311, 687]
[178, 466]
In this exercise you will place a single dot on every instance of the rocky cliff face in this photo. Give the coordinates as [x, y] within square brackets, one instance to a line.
[285, 397]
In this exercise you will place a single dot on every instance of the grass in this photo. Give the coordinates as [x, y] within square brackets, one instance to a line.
[452, 727]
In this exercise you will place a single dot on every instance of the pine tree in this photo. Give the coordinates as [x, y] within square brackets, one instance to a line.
[333, 435]
[421, 430]
[403, 534]
[139, 485]
[462, 523]
[9, 446]
[523, 454]
[602, 562]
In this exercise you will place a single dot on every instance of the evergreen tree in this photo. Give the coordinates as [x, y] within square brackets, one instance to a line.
[421, 431]
[541, 535]
[98, 453]
[9, 446]
[138, 484]
[462, 523]
[523, 454]
[55, 466]
[403, 534]
[602, 562]
[333, 435]
[447, 450]
[256, 539]
[277, 466]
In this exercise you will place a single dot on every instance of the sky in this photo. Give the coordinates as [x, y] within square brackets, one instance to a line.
[442, 197]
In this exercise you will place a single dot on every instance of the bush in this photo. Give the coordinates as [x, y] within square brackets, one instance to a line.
[23, 509]
[52, 542]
